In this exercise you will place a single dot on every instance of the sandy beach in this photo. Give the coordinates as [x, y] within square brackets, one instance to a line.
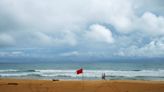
[14, 85]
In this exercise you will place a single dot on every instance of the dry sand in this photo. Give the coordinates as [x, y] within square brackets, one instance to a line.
[13, 85]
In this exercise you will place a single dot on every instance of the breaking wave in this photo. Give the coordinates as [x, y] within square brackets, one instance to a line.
[50, 73]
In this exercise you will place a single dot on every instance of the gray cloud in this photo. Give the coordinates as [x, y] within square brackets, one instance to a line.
[154, 48]
[109, 27]
[6, 40]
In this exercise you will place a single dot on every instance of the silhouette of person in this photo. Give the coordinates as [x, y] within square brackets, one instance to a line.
[103, 76]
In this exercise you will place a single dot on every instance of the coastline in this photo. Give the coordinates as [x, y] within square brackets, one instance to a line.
[25, 85]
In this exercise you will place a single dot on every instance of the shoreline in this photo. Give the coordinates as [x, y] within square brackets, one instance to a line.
[26, 85]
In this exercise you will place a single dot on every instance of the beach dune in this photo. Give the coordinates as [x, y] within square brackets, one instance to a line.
[13, 85]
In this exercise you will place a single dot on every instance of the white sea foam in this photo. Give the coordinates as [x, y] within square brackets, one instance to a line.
[87, 73]
[8, 70]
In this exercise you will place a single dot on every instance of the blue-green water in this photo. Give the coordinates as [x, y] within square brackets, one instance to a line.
[143, 70]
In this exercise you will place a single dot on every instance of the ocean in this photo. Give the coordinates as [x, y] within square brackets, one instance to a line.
[143, 70]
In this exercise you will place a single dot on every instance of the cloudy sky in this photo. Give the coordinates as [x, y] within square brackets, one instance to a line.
[81, 28]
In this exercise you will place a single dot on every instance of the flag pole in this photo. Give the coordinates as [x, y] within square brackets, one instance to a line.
[83, 80]
[80, 71]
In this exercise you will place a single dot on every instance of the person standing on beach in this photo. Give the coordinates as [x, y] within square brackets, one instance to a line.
[103, 76]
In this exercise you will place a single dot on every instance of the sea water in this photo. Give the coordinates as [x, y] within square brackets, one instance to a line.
[144, 70]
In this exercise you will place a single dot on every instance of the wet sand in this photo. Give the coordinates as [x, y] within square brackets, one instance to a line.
[15, 85]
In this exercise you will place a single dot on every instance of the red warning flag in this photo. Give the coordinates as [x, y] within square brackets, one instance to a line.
[79, 71]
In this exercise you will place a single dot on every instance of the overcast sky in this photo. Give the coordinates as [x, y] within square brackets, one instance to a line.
[100, 28]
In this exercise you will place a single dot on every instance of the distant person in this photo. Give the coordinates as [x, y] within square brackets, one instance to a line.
[103, 76]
